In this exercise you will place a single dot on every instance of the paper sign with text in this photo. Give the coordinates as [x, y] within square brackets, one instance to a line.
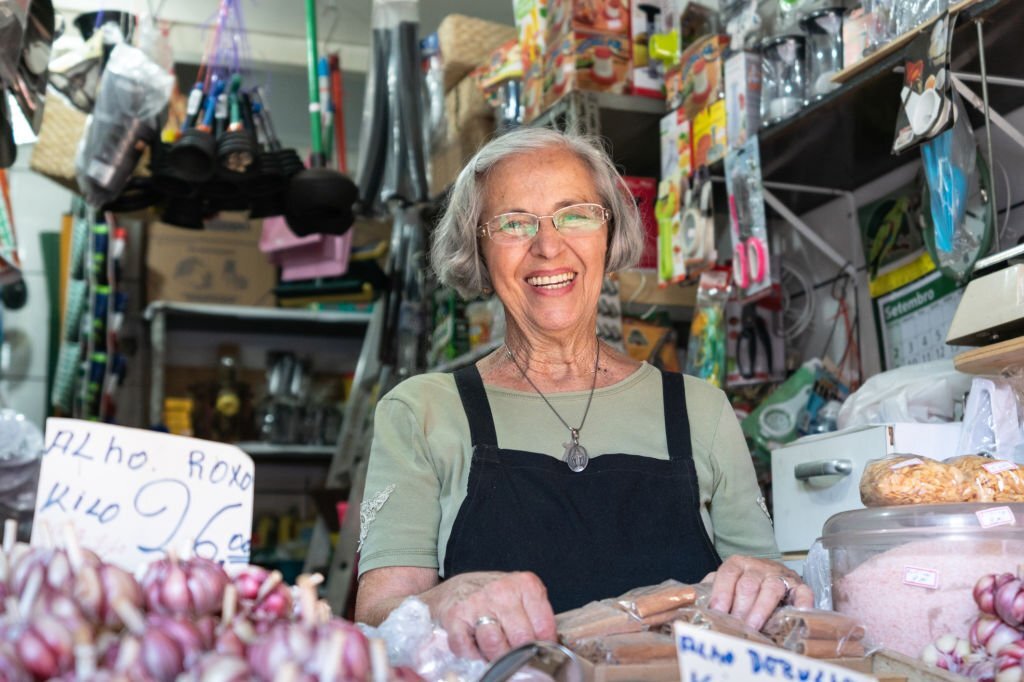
[131, 495]
[706, 656]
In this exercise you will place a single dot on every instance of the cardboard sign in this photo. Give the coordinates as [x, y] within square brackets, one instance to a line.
[706, 656]
[132, 495]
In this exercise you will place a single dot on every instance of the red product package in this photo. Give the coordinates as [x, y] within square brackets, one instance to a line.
[645, 193]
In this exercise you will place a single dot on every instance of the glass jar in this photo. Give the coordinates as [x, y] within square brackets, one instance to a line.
[783, 77]
[908, 573]
[824, 30]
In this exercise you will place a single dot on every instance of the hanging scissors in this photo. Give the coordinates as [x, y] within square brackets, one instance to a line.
[753, 335]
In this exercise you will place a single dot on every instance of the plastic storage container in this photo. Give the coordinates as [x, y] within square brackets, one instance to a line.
[908, 572]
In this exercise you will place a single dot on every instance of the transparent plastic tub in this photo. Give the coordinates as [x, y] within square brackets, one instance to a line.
[908, 572]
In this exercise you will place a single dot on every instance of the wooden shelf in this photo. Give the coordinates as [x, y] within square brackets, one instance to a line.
[994, 359]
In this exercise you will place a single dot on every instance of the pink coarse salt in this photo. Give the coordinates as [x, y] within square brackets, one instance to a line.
[905, 617]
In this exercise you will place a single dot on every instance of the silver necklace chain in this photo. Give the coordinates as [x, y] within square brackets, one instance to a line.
[575, 454]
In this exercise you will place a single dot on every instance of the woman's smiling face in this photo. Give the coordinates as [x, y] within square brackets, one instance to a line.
[550, 283]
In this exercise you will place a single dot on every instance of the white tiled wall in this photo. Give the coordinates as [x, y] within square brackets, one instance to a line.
[37, 204]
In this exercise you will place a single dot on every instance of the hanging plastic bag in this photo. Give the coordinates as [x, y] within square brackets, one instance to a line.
[958, 213]
[132, 99]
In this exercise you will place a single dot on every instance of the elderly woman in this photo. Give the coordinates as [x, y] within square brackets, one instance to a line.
[557, 470]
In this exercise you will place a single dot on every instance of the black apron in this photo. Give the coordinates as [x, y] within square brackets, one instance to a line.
[624, 521]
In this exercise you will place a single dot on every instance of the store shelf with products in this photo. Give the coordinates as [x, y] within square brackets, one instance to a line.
[287, 452]
[166, 318]
[844, 140]
[249, 319]
[629, 123]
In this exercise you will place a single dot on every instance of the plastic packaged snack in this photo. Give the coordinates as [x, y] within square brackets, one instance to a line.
[816, 633]
[990, 480]
[911, 479]
[718, 621]
[596, 619]
[633, 647]
[654, 599]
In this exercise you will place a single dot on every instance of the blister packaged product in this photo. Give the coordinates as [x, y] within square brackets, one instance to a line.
[816, 633]
[706, 350]
[990, 480]
[911, 479]
[634, 647]
[718, 621]
[596, 619]
[652, 599]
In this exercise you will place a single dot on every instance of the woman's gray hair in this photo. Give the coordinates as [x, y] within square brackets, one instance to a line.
[455, 255]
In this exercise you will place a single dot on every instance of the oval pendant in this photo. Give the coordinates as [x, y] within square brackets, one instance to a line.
[576, 457]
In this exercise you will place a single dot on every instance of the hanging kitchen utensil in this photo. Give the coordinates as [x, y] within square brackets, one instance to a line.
[318, 199]
[193, 156]
[13, 19]
[236, 149]
[8, 150]
[274, 165]
[373, 144]
[29, 85]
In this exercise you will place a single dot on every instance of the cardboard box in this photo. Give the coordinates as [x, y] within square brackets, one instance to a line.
[742, 97]
[709, 136]
[648, 74]
[219, 264]
[586, 61]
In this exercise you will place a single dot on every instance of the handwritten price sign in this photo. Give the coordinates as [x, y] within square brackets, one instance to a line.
[706, 656]
[131, 495]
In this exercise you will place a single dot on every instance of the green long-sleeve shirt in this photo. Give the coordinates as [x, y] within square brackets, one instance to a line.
[421, 454]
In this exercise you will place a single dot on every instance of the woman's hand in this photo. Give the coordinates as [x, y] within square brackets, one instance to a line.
[751, 588]
[488, 613]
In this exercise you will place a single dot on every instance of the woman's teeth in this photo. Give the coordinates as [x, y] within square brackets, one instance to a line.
[552, 281]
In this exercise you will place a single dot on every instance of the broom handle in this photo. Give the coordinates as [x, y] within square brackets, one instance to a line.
[316, 130]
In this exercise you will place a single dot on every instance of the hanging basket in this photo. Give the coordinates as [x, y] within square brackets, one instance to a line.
[54, 153]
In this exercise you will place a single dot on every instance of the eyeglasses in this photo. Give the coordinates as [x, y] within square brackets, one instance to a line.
[512, 228]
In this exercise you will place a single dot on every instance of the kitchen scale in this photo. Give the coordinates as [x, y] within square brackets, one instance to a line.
[992, 306]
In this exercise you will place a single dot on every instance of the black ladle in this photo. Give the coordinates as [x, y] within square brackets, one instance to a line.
[193, 156]
[318, 200]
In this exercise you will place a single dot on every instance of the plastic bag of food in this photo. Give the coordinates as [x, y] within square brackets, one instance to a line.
[816, 633]
[718, 621]
[911, 479]
[654, 599]
[633, 647]
[596, 619]
[990, 480]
